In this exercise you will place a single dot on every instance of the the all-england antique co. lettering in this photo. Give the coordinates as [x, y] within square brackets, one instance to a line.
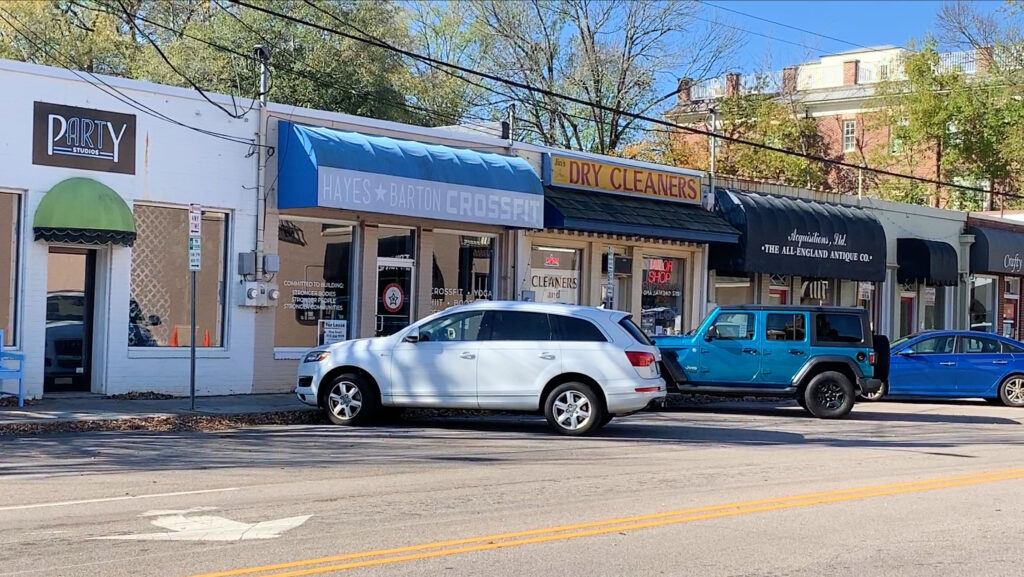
[74, 137]
[821, 247]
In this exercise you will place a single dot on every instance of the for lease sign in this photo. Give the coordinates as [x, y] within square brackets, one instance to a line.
[588, 174]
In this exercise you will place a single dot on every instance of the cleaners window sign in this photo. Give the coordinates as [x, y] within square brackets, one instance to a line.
[585, 174]
[72, 137]
[812, 245]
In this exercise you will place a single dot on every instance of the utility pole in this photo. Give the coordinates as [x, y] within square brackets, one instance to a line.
[263, 56]
[714, 151]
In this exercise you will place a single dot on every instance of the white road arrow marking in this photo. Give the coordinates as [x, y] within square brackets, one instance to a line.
[185, 526]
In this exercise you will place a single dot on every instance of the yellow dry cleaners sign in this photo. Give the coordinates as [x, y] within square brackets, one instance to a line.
[591, 175]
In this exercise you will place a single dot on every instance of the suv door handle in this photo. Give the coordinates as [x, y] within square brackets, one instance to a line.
[547, 356]
[948, 364]
[750, 351]
[795, 352]
[467, 355]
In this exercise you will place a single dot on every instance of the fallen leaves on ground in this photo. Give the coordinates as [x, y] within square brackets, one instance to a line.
[170, 423]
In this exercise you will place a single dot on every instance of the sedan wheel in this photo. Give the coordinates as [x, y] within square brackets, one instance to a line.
[1012, 391]
[574, 409]
[350, 399]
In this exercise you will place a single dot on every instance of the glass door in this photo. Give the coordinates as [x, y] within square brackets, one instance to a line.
[394, 295]
[69, 304]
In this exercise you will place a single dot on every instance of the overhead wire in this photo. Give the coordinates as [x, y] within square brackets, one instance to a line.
[495, 78]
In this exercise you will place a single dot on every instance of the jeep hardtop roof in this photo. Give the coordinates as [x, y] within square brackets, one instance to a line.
[794, 308]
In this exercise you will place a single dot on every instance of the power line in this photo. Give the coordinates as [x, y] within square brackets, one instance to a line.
[380, 44]
[100, 84]
[761, 34]
[784, 25]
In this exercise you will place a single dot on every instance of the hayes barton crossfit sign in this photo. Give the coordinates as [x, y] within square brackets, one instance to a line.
[72, 137]
[373, 192]
[573, 172]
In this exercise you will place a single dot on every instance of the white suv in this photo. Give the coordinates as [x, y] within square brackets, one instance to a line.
[579, 365]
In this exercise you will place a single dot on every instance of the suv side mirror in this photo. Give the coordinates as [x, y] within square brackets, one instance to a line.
[712, 334]
[412, 336]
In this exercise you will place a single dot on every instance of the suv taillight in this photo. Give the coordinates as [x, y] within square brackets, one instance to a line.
[639, 359]
[871, 359]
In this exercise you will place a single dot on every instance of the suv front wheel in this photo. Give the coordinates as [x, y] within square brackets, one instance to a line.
[350, 399]
[829, 395]
[574, 409]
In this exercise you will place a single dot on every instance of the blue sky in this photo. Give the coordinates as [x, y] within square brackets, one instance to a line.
[868, 23]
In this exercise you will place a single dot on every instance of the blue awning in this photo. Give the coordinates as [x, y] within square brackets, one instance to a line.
[321, 167]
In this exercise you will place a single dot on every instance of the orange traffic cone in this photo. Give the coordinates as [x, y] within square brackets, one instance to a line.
[174, 337]
[206, 339]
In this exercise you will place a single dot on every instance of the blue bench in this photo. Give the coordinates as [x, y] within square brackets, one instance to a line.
[9, 374]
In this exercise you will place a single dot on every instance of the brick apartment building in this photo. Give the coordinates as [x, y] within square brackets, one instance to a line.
[839, 92]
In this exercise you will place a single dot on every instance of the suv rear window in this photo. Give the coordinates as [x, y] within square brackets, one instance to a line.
[575, 329]
[838, 328]
[631, 328]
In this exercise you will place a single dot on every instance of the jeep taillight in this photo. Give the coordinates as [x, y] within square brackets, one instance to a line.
[871, 359]
[639, 359]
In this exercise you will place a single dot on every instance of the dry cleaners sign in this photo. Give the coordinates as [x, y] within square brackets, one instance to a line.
[72, 137]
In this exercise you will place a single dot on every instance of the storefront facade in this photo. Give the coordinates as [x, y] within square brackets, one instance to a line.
[997, 265]
[622, 235]
[94, 204]
[379, 225]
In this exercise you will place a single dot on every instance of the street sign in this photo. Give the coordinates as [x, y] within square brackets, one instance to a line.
[195, 253]
[195, 219]
[195, 262]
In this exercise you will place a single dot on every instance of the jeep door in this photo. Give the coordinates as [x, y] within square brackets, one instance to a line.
[785, 348]
[730, 352]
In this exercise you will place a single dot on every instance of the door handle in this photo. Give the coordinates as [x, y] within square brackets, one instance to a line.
[750, 351]
[467, 355]
[703, 351]
[999, 362]
[948, 364]
[795, 352]
[547, 356]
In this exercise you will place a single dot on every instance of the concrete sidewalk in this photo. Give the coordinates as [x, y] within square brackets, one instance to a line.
[70, 407]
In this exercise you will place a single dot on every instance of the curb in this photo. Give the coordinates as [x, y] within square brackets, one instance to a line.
[166, 423]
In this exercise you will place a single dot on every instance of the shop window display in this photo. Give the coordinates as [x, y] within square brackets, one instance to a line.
[554, 275]
[662, 298]
[461, 270]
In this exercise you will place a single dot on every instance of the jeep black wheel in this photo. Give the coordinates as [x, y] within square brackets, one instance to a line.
[829, 395]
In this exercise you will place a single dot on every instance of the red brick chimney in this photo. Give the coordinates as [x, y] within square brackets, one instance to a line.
[850, 72]
[732, 84]
[684, 88]
[789, 79]
[983, 58]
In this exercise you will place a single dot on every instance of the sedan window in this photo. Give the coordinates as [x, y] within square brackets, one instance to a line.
[979, 345]
[934, 346]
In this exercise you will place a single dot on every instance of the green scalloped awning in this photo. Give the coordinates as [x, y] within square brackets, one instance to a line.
[84, 211]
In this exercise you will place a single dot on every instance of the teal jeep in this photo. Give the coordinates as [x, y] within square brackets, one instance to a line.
[824, 357]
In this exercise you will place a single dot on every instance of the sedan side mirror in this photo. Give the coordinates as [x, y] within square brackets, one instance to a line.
[412, 336]
[906, 353]
[712, 334]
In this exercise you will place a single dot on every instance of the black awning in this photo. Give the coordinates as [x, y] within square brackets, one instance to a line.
[996, 250]
[633, 216]
[926, 261]
[799, 237]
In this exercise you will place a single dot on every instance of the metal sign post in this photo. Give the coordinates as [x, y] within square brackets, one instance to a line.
[610, 272]
[195, 260]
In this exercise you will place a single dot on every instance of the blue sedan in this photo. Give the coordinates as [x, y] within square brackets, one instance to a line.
[956, 364]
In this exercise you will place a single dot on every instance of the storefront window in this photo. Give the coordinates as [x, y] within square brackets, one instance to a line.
[622, 282]
[8, 265]
[734, 290]
[817, 292]
[555, 275]
[159, 313]
[315, 282]
[1011, 304]
[983, 304]
[779, 288]
[396, 243]
[934, 307]
[662, 298]
[461, 270]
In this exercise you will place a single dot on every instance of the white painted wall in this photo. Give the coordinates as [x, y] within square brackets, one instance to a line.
[174, 165]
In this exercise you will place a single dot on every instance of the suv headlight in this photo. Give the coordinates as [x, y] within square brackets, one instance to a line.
[316, 356]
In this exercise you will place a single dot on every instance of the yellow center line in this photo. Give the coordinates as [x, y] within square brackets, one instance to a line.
[566, 532]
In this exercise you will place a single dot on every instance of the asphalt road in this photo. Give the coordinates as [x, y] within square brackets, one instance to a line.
[754, 489]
